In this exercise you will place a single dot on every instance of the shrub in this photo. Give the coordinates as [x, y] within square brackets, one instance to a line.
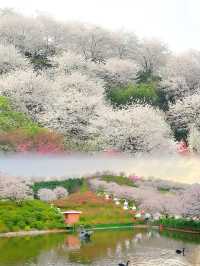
[180, 223]
[11, 119]
[32, 138]
[132, 93]
[48, 142]
[31, 214]
[4, 104]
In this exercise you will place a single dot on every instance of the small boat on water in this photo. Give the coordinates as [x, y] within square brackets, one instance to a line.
[85, 234]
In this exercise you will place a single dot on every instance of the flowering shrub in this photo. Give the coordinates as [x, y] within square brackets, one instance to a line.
[48, 142]
[41, 141]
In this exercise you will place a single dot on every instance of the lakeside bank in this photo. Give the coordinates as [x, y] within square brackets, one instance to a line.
[97, 228]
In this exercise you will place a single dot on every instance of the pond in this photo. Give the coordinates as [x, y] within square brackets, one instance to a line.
[141, 247]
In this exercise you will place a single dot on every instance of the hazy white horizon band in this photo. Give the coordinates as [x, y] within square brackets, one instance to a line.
[176, 22]
[180, 169]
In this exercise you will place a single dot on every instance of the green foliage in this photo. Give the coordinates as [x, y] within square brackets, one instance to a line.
[133, 93]
[30, 214]
[120, 180]
[191, 238]
[163, 101]
[4, 104]
[146, 76]
[71, 184]
[11, 120]
[179, 223]
[181, 134]
[39, 61]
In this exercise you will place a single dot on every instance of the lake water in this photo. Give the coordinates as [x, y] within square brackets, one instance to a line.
[141, 247]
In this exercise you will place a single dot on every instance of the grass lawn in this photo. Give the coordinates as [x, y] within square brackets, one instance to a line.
[120, 180]
[95, 209]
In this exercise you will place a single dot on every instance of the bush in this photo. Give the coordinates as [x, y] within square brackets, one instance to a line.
[10, 119]
[133, 93]
[4, 104]
[180, 223]
[31, 214]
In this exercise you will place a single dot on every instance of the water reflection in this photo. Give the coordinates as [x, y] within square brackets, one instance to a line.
[73, 242]
[141, 247]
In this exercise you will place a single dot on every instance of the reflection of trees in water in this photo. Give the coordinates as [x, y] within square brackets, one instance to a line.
[109, 248]
[120, 244]
[142, 247]
[18, 250]
[194, 256]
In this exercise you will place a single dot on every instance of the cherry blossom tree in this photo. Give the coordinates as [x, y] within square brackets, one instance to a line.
[60, 192]
[118, 72]
[69, 103]
[125, 45]
[11, 59]
[152, 55]
[136, 129]
[45, 194]
[69, 62]
[147, 199]
[190, 199]
[14, 188]
[76, 99]
[185, 112]
[53, 33]
[31, 93]
[166, 205]
[94, 43]
[180, 77]
[194, 139]
[22, 32]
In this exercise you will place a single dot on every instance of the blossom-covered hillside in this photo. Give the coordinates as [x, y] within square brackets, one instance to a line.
[97, 88]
